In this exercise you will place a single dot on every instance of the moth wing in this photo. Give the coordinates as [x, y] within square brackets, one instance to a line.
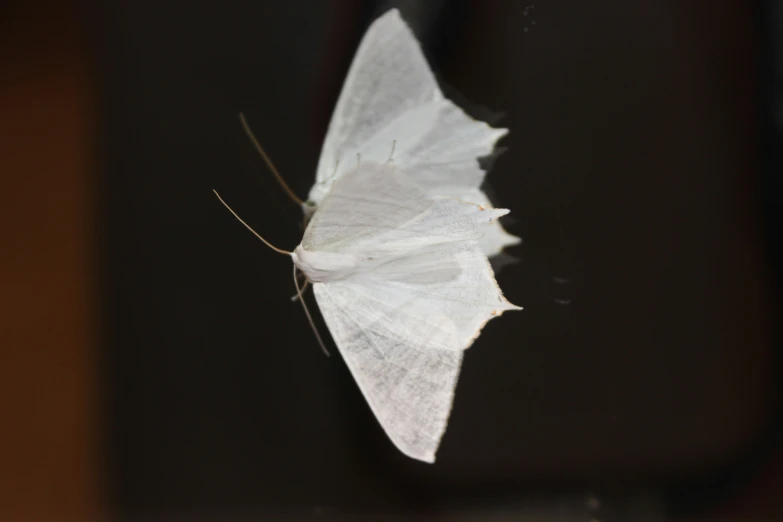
[494, 238]
[377, 210]
[401, 330]
[388, 76]
[391, 100]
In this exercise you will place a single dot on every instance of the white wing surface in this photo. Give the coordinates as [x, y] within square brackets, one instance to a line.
[401, 329]
[376, 210]
[494, 237]
[412, 290]
[410, 392]
[390, 100]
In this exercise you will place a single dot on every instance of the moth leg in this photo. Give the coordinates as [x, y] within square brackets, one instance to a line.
[304, 287]
[391, 154]
[336, 164]
[300, 275]
[307, 313]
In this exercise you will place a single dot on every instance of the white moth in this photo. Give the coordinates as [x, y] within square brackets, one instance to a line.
[396, 249]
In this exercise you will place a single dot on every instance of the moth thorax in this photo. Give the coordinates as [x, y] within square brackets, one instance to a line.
[323, 266]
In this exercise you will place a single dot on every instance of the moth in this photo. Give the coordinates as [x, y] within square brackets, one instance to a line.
[398, 236]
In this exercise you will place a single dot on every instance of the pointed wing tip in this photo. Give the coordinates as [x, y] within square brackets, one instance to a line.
[507, 306]
[427, 457]
[506, 240]
[392, 13]
[392, 19]
[496, 212]
[499, 132]
[510, 240]
[419, 454]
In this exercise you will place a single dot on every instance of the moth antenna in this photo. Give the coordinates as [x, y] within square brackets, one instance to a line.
[304, 288]
[336, 164]
[268, 161]
[358, 160]
[267, 243]
[307, 313]
[391, 154]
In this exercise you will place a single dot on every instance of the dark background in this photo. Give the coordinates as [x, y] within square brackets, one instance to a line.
[643, 165]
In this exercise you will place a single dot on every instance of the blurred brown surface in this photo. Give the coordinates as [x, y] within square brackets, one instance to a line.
[47, 466]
